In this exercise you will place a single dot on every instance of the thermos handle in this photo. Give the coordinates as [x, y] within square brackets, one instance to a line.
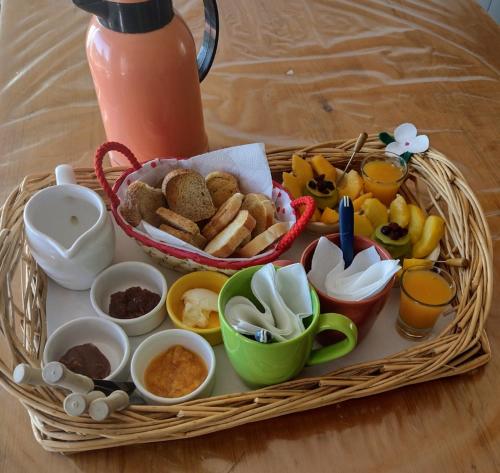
[208, 48]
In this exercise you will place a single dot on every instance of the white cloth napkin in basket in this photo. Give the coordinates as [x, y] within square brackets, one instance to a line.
[285, 298]
[366, 275]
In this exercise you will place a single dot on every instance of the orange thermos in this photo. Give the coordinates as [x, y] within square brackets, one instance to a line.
[147, 75]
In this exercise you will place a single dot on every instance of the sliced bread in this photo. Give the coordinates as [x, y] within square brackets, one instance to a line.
[197, 240]
[141, 203]
[177, 221]
[257, 210]
[270, 209]
[187, 194]
[226, 242]
[262, 241]
[223, 217]
[221, 186]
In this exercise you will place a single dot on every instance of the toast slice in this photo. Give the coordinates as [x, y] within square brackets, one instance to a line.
[141, 203]
[270, 209]
[187, 194]
[221, 186]
[177, 221]
[225, 243]
[257, 210]
[262, 241]
[223, 217]
[196, 240]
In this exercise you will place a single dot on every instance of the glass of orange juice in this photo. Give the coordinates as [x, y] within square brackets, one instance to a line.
[425, 294]
[383, 174]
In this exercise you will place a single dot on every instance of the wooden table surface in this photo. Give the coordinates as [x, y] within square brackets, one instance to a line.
[288, 72]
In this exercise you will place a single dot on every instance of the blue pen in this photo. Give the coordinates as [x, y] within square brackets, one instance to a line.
[346, 225]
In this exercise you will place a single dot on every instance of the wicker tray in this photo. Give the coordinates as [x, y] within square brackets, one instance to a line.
[462, 345]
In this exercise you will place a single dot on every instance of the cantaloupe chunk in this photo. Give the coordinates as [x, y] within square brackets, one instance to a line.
[362, 226]
[329, 216]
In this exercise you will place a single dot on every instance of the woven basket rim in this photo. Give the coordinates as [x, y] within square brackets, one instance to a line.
[461, 347]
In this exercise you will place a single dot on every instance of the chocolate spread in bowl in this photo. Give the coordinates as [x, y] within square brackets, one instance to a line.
[132, 303]
[88, 360]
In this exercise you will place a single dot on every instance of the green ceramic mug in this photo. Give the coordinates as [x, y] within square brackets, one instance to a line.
[260, 364]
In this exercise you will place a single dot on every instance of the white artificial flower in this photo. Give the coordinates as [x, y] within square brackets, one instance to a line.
[407, 140]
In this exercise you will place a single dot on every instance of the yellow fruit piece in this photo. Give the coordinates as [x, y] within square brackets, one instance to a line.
[399, 211]
[357, 203]
[362, 226]
[417, 220]
[433, 232]
[412, 262]
[292, 185]
[321, 166]
[302, 170]
[351, 185]
[329, 216]
[376, 211]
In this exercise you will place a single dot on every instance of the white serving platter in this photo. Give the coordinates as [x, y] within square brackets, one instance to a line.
[383, 339]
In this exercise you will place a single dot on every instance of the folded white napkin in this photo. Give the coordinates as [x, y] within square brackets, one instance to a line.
[285, 298]
[366, 275]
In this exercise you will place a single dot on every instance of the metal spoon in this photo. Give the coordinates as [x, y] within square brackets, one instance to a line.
[359, 144]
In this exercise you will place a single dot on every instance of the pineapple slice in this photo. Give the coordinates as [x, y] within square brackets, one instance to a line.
[399, 211]
[376, 212]
[351, 185]
[357, 203]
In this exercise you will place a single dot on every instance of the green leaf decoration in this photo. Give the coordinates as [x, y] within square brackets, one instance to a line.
[385, 138]
[407, 156]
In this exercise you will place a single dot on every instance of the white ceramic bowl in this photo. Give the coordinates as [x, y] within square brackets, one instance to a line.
[120, 277]
[105, 335]
[158, 343]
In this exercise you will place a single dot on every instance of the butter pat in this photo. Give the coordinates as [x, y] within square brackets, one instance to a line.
[198, 303]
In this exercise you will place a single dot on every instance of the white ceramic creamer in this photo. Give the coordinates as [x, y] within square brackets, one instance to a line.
[69, 231]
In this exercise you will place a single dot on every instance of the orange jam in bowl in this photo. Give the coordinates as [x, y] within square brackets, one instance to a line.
[175, 372]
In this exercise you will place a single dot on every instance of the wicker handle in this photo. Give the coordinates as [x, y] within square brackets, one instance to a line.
[99, 156]
[300, 224]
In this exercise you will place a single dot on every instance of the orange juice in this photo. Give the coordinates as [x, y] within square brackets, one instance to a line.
[424, 295]
[383, 176]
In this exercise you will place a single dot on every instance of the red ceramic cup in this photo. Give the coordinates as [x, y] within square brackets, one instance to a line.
[362, 313]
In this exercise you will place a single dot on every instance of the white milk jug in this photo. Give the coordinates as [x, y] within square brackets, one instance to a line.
[69, 231]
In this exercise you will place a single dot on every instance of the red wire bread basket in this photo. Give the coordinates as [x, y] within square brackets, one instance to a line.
[181, 259]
